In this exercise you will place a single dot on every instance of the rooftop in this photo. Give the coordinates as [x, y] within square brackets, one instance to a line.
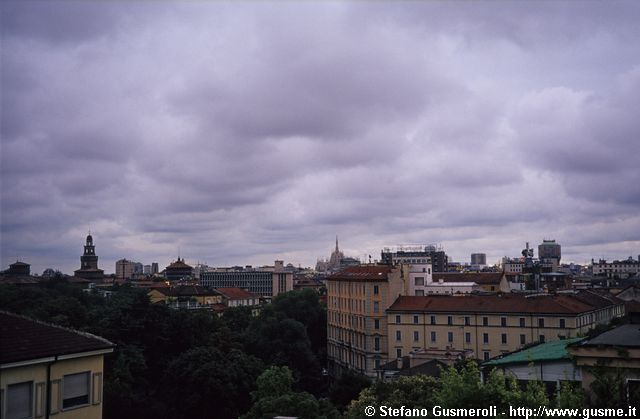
[627, 335]
[235, 293]
[502, 303]
[24, 339]
[362, 273]
[480, 278]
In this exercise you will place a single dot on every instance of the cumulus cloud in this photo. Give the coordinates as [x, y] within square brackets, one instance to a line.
[241, 133]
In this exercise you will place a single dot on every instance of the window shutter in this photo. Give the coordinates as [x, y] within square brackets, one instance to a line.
[19, 400]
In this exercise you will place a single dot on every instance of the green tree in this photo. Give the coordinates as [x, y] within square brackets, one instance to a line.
[205, 382]
[415, 391]
[285, 342]
[347, 387]
[608, 387]
[275, 396]
[570, 396]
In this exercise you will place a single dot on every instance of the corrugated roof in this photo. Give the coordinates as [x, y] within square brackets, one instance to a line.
[24, 339]
[550, 351]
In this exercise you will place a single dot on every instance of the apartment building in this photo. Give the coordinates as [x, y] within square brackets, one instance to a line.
[617, 268]
[357, 298]
[491, 325]
[49, 371]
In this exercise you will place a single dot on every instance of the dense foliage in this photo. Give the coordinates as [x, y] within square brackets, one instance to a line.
[189, 364]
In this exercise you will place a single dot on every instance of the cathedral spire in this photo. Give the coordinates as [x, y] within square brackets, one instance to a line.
[337, 243]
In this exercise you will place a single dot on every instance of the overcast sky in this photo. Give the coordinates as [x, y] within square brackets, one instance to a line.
[248, 132]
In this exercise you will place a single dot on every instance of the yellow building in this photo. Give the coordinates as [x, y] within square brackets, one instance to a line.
[186, 296]
[491, 325]
[357, 298]
[49, 371]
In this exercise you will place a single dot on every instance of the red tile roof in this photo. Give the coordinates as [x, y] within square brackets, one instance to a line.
[363, 273]
[236, 293]
[506, 303]
[24, 339]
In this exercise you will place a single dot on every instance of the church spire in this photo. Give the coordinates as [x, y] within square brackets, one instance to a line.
[337, 243]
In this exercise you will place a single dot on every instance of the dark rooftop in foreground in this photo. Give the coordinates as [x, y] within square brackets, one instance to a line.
[627, 335]
[23, 339]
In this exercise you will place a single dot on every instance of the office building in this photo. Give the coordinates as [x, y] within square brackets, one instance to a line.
[416, 254]
[479, 259]
[124, 269]
[549, 254]
[266, 281]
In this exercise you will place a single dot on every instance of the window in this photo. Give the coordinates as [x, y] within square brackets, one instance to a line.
[485, 321]
[541, 322]
[486, 356]
[467, 321]
[420, 293]
[376, 307]
[415, 319]
[19, 400]
[485, 338]
[504, 338]
[377, 363]
[376, 343]
[419, 281]
[433, 319]
[416, 336]
[503, 321]
[449, 320]
[467, 337]
[376, 324]
[398, 353]
[398, 335]
[523, 339]
[398, 319]
[521, 321]
[376, 290]
[562, 323]
[433, 336]
[541, 338]
[450, 337]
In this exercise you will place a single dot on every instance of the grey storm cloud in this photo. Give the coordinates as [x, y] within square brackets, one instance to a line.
[237, 133]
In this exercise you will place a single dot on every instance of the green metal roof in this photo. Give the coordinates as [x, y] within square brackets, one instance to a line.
[550, 351]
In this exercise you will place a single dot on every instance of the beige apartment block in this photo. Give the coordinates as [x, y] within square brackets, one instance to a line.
[491, 325]
[49, 371]
[356, 320]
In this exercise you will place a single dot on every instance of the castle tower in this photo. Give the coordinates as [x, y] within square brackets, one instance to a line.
[89, 262]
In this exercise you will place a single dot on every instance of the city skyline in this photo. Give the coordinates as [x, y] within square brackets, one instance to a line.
[245, 133]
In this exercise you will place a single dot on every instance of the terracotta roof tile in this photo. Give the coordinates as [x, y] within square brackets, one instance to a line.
[506, 303]
[236, 293]
[362, 273]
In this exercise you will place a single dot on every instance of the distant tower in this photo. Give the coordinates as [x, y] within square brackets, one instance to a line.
[89, 262]
[478, 259]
